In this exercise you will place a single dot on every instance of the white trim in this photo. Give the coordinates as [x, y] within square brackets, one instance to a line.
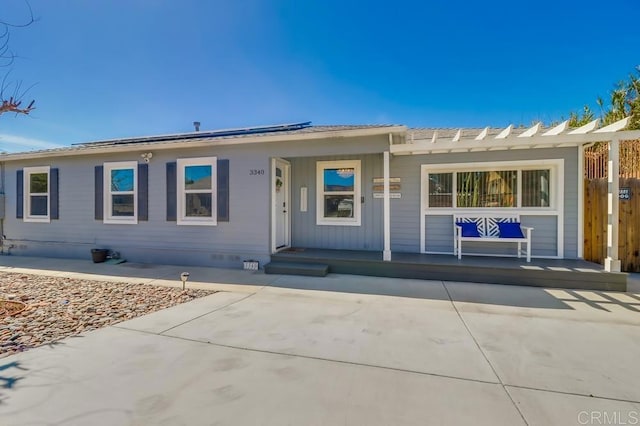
[273, 205]
[181, 192]
[581, 201]
[612, 261]
[468, 144]
[386, 253]
[289, 207]
[423, 208]
[559, 202]
[106, 193]
[26, 194]
[357, 192]
[493, 165]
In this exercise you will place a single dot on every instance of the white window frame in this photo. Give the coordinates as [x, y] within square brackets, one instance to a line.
[320, 193]
[556, 185]
[26, 185]
[182, 218]
[107, 193]
[556, 201]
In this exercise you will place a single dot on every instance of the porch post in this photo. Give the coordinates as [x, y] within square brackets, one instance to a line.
[612, 263]
[386, 254]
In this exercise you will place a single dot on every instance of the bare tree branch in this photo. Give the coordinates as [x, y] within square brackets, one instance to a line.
[7, 58]
[12, 105]
[29, 21]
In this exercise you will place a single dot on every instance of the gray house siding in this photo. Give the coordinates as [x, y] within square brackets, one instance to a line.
[155, 240]
[405, 212]
[246, 235]
[305, 232]
[439, 230]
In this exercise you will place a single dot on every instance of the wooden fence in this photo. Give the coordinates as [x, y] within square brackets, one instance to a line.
[595, 205]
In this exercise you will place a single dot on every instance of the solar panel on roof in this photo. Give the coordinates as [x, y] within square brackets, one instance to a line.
[200, 135]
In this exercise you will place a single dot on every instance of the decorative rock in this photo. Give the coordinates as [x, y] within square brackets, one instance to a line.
[61, 307]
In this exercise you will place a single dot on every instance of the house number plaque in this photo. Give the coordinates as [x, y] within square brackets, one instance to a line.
[624, 194]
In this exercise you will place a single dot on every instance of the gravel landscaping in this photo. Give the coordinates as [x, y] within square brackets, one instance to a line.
[60, 307]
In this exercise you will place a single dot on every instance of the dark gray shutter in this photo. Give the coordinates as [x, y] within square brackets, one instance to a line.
[53, 194]
[19, 194]
[171, 191]
[223, 191]
[98, 191]
[143, 192]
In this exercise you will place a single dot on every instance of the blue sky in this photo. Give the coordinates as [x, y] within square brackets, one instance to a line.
[115, 68]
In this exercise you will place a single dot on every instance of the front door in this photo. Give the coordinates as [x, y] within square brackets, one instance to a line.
[281, 209]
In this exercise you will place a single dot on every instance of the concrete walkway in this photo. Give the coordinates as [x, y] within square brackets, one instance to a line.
[342, 349]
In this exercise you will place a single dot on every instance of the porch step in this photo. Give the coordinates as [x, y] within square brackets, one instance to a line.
[296, 268]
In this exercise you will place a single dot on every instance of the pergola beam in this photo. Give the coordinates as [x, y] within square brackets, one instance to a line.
[510, 142]
[557, 129]
[614, 127]
[506, 132]
[530, 131]
[586, 128]
[483, 134]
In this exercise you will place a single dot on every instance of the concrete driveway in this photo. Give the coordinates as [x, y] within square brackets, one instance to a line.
[290, 352]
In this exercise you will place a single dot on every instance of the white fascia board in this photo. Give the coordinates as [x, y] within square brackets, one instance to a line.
[513, 142]
[208, 142]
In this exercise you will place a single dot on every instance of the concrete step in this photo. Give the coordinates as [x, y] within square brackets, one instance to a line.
[295, 268]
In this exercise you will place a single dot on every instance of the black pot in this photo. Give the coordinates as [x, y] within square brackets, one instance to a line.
[99, 255]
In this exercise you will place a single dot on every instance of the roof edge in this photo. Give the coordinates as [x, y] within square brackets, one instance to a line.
[79, 150]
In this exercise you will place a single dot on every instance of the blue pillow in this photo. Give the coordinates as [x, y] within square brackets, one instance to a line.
[469, 229]
[510, 230]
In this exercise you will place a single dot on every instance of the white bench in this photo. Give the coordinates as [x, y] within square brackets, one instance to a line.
[489, 231]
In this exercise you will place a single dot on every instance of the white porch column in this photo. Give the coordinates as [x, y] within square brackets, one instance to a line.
[386, 253]
[612, 263]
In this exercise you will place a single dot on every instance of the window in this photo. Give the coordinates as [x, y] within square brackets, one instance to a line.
[535, 188]
[440, 189]
[120, 192]
[508, 187]
[37, 197]
[196, 184]
[487, 189]
[338, 193]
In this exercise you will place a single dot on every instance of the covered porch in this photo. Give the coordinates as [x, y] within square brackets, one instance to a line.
[556, 273]
[547, 191]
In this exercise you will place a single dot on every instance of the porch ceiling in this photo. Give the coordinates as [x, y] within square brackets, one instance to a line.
[445, 141]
